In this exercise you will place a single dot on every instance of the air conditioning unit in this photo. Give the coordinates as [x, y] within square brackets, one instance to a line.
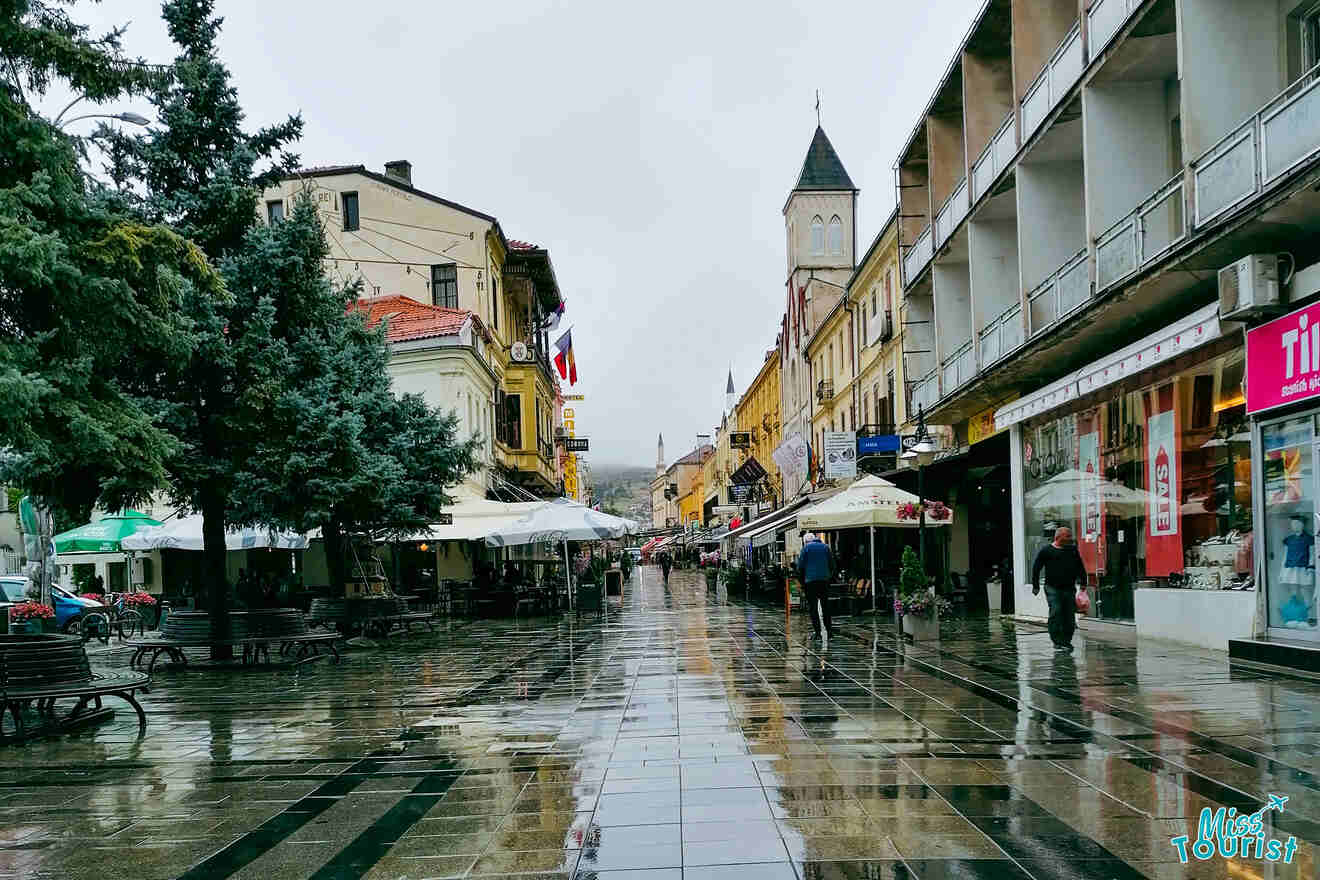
[1249, 288]
[519, 352]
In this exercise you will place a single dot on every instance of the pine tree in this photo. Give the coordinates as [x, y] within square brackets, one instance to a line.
[86, 291]
[202, 173]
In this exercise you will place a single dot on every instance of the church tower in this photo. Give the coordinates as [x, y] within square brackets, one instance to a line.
[820, 222]
[730, 396]
[660, 455]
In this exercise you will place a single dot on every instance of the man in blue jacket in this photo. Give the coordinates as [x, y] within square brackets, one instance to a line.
[815, 565]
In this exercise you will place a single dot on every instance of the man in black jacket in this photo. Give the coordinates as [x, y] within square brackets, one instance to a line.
[1063, 569]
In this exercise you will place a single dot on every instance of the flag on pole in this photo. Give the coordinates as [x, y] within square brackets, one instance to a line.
[552, 319]
[564, 361]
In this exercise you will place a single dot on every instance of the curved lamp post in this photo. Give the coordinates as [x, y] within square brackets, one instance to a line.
[131, 118]
[921, 453]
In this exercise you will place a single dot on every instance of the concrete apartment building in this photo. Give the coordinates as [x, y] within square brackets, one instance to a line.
[1077, 182]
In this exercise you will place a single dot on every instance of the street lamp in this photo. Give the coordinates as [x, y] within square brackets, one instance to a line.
[921, 453]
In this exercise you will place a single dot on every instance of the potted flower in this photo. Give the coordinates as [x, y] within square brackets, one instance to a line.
[30, 617]
[936, 511]
[916, 604]
[143, 603]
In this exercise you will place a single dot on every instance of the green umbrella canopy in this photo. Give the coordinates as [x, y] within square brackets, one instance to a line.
[104, 535]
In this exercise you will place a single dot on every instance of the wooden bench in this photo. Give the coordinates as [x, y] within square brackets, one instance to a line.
[303, 645]
[37, 671]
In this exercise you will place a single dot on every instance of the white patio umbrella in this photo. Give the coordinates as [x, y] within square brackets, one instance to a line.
[870, 502]
[561, 521]
[1067, 489]
[185, 533]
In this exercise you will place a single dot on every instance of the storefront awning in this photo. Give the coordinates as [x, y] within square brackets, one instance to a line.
[756, 525]
[766, 529]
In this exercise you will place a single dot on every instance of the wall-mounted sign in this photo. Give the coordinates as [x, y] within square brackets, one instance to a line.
[574, 397]
[877, 444]
[749, 472]
[740, 440]
[982, 425]
[840, 454]
[575, 444]
[445, 519]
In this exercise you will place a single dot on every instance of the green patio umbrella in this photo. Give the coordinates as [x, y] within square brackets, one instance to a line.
[104, 535]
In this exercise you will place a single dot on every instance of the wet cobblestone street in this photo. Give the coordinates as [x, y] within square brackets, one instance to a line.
[683, 736]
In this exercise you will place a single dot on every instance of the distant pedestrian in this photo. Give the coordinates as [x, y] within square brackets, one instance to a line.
[666, 563]
[1063, 569]
[815, 565]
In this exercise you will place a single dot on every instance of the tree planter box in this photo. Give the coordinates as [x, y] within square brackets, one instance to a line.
[921, 628]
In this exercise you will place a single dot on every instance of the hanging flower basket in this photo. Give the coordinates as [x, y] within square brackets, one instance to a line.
[936, 511]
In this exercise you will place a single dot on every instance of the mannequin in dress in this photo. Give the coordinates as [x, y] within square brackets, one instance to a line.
[1298, 574]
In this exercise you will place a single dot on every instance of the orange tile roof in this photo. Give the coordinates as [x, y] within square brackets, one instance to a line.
[409, 319]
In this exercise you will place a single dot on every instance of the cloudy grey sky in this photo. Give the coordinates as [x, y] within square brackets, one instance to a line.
[650, 148]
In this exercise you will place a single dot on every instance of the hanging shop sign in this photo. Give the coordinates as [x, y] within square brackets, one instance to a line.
[1283, 360]
[749, 472]
[740, 493]
[840, 454]
[740, 440]
[575, 444]
[877, 444]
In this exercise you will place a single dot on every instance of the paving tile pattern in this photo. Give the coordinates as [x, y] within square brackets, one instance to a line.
[686, 736]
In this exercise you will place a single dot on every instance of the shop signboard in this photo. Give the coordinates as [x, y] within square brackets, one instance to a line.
[740, 440]
[877, 444]
[840, 454]
[982, 425]
[1283, 360]
[575, 444]
[791, 456]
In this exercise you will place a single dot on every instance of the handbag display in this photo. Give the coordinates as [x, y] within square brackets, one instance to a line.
[1083, 600]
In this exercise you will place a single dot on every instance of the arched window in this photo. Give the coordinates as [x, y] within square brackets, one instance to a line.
[817, 237]
[836, 236]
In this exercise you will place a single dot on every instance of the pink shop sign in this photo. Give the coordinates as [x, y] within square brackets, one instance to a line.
[1283, 360]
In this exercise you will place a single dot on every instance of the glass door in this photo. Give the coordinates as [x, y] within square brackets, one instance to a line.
[1290, 448]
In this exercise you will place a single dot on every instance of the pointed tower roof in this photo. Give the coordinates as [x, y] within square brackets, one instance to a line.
[729, 389]
[661, 441]
[822, 169]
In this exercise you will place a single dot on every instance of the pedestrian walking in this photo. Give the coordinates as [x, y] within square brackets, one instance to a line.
[666, 563]
[1063, 569]
[815, 565]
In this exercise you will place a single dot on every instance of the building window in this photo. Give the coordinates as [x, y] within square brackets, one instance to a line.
[866, 410]
[889, 398]
[350, 203]
[511, 421]
[1310, 38]
[889, 290]
[495, 298]
[817, 237]
[863, 328]
[836, 236]
[873, 298]
[274, 212]
[444, 286]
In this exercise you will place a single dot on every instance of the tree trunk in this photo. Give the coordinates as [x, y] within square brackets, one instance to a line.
[214, 573]
[333, 538]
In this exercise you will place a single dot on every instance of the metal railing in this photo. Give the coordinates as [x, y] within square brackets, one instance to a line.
[1059, 75]
[1106, 18]
[959, 367]
[1002, 335]
[918, 255]
[1141, 237]
[1282, 135]
[995, 158]
[926, 392]
[1060, 294]
[952, 213]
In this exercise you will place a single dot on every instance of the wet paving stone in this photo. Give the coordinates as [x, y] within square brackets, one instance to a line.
[683, 736]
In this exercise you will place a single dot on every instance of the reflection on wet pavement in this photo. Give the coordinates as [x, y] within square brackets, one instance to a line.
[683, 736]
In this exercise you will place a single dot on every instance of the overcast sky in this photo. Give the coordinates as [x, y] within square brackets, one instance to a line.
[650, 148]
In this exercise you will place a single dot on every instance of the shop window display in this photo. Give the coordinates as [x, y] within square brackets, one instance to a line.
[1154, 478]
[1289, 504]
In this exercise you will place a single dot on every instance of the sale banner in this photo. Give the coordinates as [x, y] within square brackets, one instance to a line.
[1090, 509]
[1164, 550]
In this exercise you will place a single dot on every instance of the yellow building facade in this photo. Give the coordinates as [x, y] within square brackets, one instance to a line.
[758, 414]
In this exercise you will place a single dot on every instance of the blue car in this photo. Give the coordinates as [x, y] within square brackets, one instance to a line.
[68, 607]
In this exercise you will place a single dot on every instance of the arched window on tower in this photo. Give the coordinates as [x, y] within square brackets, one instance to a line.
[836, 236]
[817, 237]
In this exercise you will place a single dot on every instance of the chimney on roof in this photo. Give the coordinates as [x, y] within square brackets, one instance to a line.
[400, 170]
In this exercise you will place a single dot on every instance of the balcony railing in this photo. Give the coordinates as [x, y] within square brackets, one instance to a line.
[954, 210]
[995, 158]
[918, 255]
[926, 392]
[1060, 74]
[1105, 19]
[959, 367]
[1002, 335]
[1285, 133]
[1143, 236]
[1060, 294]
